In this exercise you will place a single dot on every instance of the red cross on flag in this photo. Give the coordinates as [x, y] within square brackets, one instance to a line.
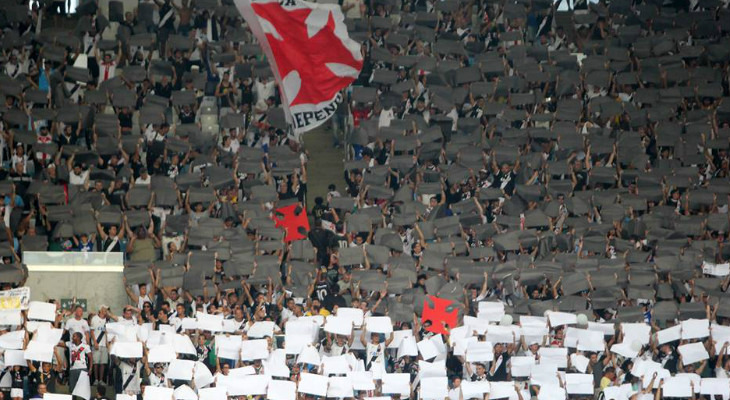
[310, 52]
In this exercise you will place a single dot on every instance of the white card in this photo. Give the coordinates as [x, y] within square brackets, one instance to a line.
[313, 384]
[379, 325]
[42, 311]
[692, 353]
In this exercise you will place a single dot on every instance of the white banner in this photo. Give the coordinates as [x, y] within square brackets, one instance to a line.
[15, 299]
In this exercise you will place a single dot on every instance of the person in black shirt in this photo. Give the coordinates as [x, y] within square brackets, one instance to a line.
[166, 26]
[504, 177]
[225, 92]
[17, 376]
[332, 300]
[454, 194]
[186, 115]
[142, 91]
[43, 376]
[181, 65]
[246, 89]
[319, 208]
[320, 238]
[110, 242]
[164, 87]
[339, 241]
[125, 120]
[668, 357]
[69, 136]
[353, 179]
[117, 192]
[498, 372]
[579, 176]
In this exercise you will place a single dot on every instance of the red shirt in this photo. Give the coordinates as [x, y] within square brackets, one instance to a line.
[359, 115]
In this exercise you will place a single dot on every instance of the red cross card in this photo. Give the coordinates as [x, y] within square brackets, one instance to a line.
[440, 312]
[293, 218]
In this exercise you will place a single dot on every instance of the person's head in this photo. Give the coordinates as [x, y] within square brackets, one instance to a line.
[98, 186]
[456, 382]
[76, 338]
[113, 231]
[610, 373]
[158, 369]
[498, 348]
[433, 201]
[127, 313]
[260, 298]
[316, 305]
[41, 389]
[481, 369]
[78, 312]
[505, 168]
[375, 338]
[100, 391]
[260, 313]
[142, 289]
[238, 313]
[147, 306]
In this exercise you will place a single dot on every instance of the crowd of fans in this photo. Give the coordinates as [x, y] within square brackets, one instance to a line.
[557, 173]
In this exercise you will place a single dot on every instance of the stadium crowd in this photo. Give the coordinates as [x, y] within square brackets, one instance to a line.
[535, 204]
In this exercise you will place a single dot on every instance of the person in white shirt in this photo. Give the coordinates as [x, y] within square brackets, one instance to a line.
[108, 67]
[353, 9]
[156, 375]
[375, 349]
[128, 317]
[78, 324]
[455, 391]
[80, 359]
[340, 345]
[144, 178]
[141, 296]
[263, 88]
[16, 65]
[99, 339]
[130, 368]
[77, 176]
[19, 156]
